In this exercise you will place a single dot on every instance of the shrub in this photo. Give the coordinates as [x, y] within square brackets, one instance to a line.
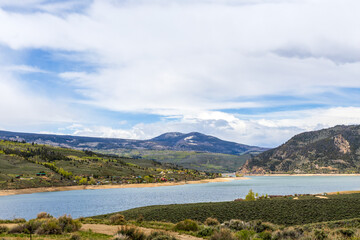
[250, 196]
[211, 222]
[28, 227]
[19, 220]
[237, 224]
[67, 224]
[223, 234]
[140, 219]
[346, 232]
[245, 234]
[158, 235]
[132, 232]
[4, 229]
[265, 235]
[43, 215]
[18, 229]
[288, 233]
[49, 227]
[75, 237]
[205, 232]
[320, 235]
[187, 225]
[120, 236]
[117, 219]
[32, 225]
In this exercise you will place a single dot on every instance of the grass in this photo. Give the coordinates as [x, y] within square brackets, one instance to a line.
[85, 235]
[211, 162]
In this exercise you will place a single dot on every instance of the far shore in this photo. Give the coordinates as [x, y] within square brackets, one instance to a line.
[306, 174]
[94, 187]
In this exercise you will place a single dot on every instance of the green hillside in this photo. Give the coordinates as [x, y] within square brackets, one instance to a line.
[286, 211]
[24, 165]
[202, 161]
[332, 150]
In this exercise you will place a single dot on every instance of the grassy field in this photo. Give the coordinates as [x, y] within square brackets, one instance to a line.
[284, 211]
[211, 162]
[24, 165]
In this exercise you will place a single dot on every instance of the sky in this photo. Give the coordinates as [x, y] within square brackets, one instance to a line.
[255, 72]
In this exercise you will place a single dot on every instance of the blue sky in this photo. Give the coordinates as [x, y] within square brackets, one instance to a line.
[255, 72]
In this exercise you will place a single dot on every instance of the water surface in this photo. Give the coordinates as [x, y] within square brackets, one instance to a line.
[94, 202]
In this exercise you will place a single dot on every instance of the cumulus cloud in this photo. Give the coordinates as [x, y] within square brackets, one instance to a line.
[188, 62]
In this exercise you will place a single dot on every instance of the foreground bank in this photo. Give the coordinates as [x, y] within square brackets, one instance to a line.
[267, 218]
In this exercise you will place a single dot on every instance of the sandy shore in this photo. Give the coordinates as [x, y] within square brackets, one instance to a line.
[93, 187]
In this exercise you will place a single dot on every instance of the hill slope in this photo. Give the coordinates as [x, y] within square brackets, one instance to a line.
[192, 150]
[24, 165]
[202, 161]
[332, 150]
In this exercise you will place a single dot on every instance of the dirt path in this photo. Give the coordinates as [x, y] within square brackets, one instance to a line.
[111, 230]
[322, 197]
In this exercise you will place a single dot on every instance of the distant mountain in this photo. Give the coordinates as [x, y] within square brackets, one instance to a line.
[332, 150]
[169, 141]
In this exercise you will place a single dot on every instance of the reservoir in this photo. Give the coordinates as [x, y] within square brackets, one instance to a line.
[94, 202]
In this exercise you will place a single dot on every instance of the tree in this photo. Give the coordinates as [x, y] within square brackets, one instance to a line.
[250, 196]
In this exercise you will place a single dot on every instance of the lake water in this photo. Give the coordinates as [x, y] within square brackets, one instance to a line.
[94, 202]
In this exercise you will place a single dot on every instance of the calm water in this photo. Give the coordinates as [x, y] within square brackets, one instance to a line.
[94, 202]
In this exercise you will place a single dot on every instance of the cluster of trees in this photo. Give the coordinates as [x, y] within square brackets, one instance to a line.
[56, 169]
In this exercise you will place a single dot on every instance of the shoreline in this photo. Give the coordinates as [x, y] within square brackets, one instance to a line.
[95, 187]
[307, 175]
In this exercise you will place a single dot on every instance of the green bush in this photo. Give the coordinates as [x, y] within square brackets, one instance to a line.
[288, 233]
[223, 234]
[117, 219]
[44, 215]
[211, 222]
[205, 232]
[320, 234]
[132, 232]
[245, 234]
[158, 235]
[68, 225]
[187, 225]
[75, 237]
[49, 227]
[265, 235]
[346, 232]
[250, 196]
[4, 229]
[28, 227]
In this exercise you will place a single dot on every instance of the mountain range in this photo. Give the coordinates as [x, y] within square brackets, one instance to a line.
[332, 150]
[192, 150]
[174, 141]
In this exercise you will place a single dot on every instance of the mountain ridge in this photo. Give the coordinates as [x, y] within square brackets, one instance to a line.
[330, 150]
[175, 141]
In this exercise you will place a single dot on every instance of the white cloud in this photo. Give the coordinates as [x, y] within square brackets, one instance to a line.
[262, 131]
[188, 60]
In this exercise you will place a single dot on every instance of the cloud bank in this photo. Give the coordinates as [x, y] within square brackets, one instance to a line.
[254, 72]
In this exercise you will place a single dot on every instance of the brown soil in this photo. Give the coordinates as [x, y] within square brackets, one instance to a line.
[112, 230]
